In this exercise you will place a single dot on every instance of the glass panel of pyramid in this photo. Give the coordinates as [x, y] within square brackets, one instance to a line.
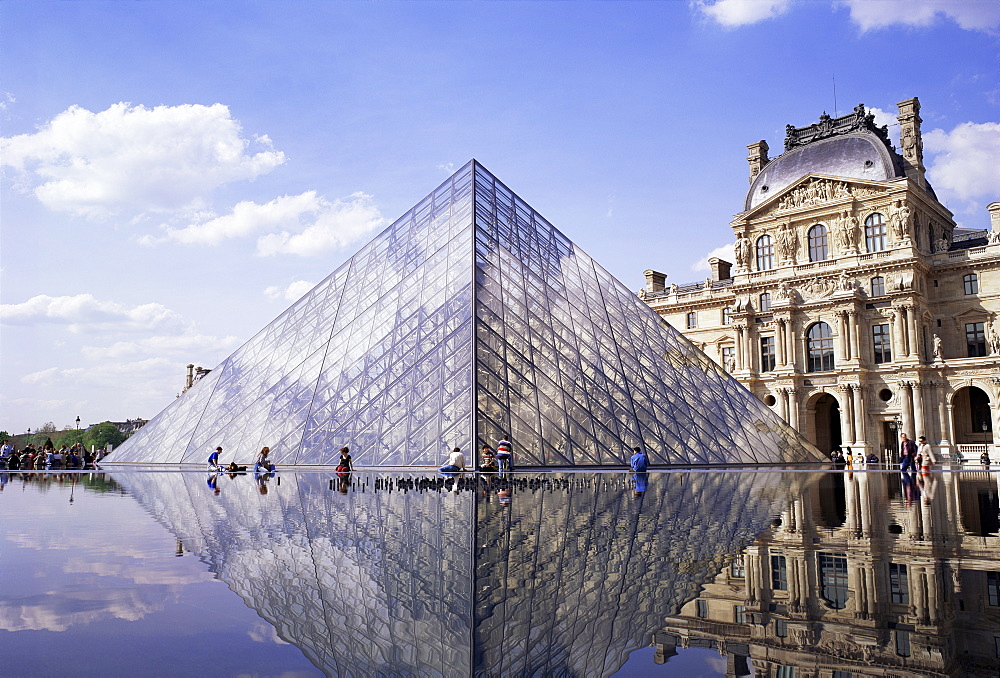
[469, 318]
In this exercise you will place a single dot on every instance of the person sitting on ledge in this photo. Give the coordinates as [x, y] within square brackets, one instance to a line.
[455, 463]
[489, 463]
[263, 463]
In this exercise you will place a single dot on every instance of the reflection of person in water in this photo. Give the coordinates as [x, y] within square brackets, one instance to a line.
[262, 478]
[910, 491]
[213, 482]
[641, 481]
[504, 496]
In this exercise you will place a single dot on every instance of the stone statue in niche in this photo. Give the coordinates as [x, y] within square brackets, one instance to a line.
[673, 288]
[845, 284]
[994, 339]
[788, 243]
[742, 250]
[941, 245]
[785, 292]
[898, 221]
[708, 283]
[852, 228]
[938, 354]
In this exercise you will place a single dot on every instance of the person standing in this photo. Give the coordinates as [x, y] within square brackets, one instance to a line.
[926, 456]
[213, 459]
[505, 454]
[639, 461]
[907, 453]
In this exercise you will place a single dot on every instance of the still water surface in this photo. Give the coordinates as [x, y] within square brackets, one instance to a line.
[701, 573]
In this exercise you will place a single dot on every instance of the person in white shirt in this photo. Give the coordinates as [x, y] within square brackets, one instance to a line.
[455, 463]
[925, 454]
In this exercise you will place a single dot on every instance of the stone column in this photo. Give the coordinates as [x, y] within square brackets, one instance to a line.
[944, 439]
[779, 341]
[846, 391]
[906, 406]
[856, 335]
[790, 341]
[738, 328]
[918, 411]
[859, 417]
[913, 345]
[844, 351]
[793, 408]
[783, 403]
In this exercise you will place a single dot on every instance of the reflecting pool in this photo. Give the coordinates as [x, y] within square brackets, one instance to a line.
[688, 573]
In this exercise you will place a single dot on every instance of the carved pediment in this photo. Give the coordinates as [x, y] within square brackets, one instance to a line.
[813, 190]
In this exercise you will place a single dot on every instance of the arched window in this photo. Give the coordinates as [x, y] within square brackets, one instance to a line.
[820, 348]
[878, 286]
[765, 253]
[765, 302]
[818, 250]
[875, 232]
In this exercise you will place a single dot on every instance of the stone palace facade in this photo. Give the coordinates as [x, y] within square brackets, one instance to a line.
[855, 309]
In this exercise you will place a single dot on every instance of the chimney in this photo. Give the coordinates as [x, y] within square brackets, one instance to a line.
[655, 281]
[994, 209]
[910, 140]
[189, 382]
[757, 158]
[721, 270]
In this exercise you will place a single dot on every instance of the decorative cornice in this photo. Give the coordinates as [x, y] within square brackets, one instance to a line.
[858, 121]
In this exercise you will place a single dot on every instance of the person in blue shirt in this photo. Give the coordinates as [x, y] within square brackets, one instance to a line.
[213, 459]
[639, 461]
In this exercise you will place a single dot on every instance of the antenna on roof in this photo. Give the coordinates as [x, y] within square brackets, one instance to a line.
[836, 113]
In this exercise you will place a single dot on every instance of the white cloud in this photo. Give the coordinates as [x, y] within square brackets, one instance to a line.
[136, 159]
[336, 224]
[975, 15]
[304, 224]
[736, 13]
[189, 343]
[82, 312]
[293, 292]
[725, 253]
[882, 117]
[963, 162]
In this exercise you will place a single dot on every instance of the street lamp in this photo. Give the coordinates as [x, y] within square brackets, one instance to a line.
[78, 423]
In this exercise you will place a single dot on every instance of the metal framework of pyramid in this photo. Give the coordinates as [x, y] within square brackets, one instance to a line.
[469, 317]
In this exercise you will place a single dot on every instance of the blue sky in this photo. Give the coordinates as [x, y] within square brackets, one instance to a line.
[175, 174]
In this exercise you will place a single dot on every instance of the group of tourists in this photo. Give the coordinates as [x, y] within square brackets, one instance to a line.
[48, 457]
[502, 459]
[263, 463]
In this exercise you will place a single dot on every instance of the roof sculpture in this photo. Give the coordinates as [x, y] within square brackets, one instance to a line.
[468, 318]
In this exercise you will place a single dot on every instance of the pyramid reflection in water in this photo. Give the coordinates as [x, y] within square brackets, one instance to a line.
[566, 577]
[469, 317]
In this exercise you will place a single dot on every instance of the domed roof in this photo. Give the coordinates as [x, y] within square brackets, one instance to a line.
[856, 155]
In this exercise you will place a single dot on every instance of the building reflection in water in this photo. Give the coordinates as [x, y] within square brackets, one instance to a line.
[867, 574]
[556, 574]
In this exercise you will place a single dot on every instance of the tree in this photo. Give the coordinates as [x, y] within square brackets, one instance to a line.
[4, 436]
[102, 435]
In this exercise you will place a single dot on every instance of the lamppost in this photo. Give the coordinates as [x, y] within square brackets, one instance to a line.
[896, 425]
[78, 423]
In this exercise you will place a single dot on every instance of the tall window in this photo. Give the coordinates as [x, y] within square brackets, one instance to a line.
[785, 672]
[975, 339]
[738, 568]
[779, 573]
[833, 579]
[971, 283]
[767, 361]
[903, 643]
[899, 586]
[701, 609]
[740, 614]
[727, 316]
[781, 628]
[818, 250]
[882, 344]
[765, 253]
[878, 286]
[692, 320]
[820, 347]
[765, 302]
[993, 588]
[875, 232]
[728, 358]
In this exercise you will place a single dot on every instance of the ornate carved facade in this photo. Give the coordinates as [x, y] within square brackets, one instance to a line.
[856, 309]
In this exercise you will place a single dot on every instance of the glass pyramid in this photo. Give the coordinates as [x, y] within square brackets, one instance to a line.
[469, 317]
